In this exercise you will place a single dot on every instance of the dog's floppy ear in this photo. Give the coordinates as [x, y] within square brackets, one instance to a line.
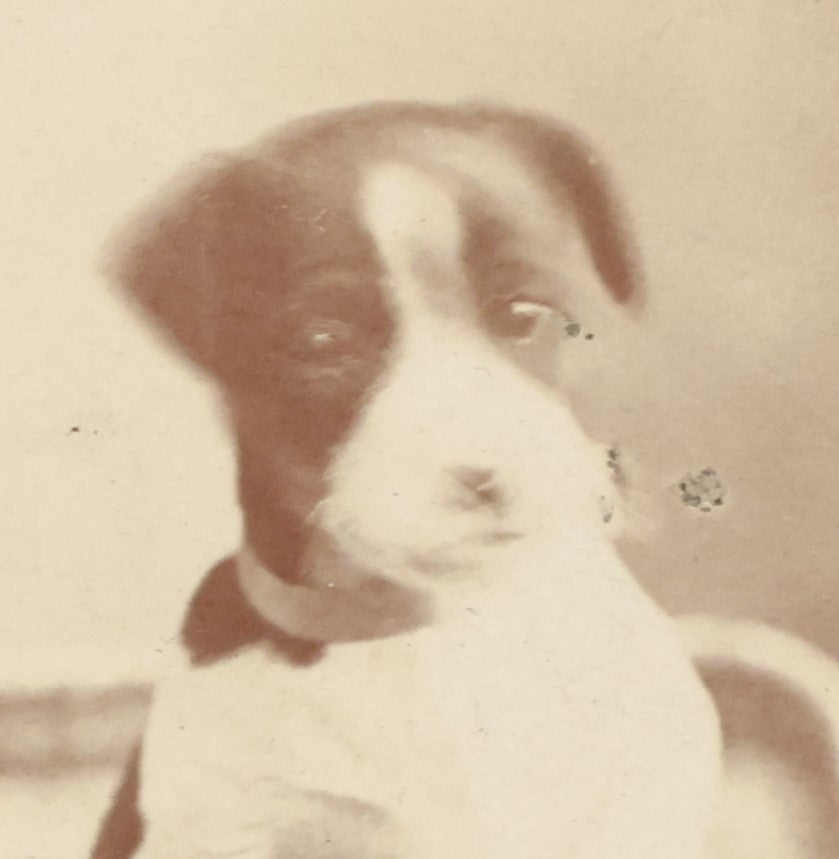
[195, 261]
[572, 171]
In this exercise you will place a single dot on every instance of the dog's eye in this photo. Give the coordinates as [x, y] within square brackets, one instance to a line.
[324, 340]
[520, 319]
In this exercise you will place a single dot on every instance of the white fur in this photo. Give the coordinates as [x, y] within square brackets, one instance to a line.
[450, 399]
[548, 711]
[566, 725]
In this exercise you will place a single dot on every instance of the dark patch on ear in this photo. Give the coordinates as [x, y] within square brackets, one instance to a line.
[597, 210]
[571, 170]
[194, 263]
[220, 621]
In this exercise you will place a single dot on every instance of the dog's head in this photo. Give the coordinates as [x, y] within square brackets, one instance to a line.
[382, 294]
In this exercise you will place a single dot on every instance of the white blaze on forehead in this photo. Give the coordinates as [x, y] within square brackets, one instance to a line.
[501, 175]
[415, 223]
[544, 227]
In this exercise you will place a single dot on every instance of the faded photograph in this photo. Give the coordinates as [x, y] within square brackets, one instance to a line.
[420, 430]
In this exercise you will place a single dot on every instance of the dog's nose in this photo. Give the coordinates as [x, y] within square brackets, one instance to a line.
[479, 485]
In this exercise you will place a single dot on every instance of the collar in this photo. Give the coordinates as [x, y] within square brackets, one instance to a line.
[339, 602]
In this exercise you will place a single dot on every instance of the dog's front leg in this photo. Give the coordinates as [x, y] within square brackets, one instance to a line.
[239, 762]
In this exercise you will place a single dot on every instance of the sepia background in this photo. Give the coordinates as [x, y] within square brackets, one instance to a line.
[719, 120]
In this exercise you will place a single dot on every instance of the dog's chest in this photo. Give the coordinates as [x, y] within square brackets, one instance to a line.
[563, 721]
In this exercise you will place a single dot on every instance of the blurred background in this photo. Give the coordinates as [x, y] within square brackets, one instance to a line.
[719, 120]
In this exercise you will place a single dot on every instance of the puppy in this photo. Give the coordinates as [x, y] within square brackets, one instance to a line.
[427, 646]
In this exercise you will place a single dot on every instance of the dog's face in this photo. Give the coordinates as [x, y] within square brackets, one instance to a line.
[384, 296]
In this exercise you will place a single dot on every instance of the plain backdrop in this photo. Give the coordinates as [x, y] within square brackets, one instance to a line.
[719, 120]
